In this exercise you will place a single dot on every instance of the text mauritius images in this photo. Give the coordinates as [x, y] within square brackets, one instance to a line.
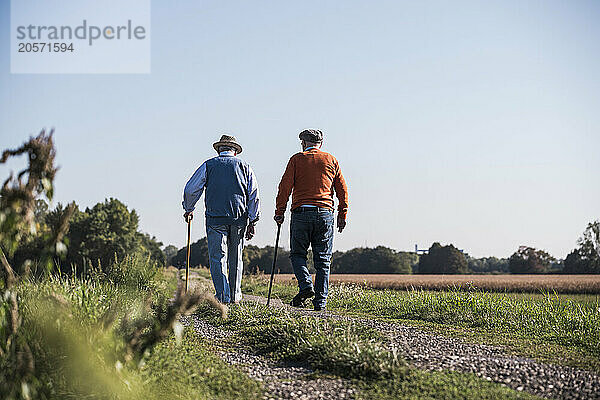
[84, 31]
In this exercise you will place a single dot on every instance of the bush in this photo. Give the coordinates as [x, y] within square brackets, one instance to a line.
[378, 260]
[198, 256]
[528, 260]
[586, 258]
[443, 260]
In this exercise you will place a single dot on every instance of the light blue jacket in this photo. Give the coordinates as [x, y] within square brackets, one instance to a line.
[231, 191]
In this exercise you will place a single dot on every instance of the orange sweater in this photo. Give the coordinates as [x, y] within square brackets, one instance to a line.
[312, 177]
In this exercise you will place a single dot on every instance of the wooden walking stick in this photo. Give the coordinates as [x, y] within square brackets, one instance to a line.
[187, 266]
[274, 261]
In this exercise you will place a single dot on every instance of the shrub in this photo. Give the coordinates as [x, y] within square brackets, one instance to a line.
[527, 260]
[443, 260]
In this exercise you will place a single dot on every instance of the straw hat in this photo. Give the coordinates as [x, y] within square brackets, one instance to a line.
[230, 141]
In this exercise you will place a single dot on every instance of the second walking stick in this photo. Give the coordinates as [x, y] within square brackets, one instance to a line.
[274, 263]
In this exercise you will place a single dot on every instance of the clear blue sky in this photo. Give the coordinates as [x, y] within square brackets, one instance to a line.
[473, 123]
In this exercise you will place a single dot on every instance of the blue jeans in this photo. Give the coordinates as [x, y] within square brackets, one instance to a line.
[225, 245]
[312, 227]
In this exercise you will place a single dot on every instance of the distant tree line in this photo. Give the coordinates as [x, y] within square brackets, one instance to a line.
[487, 265]
[108, 231]
[379, 260]
[448, 259]
[256, 259]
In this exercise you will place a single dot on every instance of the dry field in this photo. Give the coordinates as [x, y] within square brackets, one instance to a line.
[584, 284]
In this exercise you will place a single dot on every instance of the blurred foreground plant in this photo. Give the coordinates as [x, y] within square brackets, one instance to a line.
[142, 334]
[17, 205]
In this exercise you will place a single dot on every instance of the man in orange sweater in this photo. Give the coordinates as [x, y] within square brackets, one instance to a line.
[312, 177]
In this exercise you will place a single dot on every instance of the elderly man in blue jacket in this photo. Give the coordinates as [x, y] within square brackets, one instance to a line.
[232, 209]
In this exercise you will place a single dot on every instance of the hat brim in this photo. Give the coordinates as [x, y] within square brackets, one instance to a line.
[236, 146]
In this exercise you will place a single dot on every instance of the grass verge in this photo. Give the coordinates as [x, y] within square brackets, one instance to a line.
[548, 327]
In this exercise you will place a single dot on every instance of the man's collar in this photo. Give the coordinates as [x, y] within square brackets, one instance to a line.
[228, 153]
[311, 147]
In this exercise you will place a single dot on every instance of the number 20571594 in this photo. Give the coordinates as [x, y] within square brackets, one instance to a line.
[45, 47]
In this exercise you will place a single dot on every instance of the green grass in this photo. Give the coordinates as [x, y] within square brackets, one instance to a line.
[190, 370]
[78, 332]
[549, 327]
[348, 350]
[258, 285]
[436, 385]
[580, 298]
[203, 272]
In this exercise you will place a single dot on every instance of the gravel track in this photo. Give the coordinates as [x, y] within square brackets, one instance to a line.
[434, 352]
[421, 349]
[279, 380]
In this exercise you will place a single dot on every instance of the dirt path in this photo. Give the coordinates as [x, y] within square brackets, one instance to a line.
[423, 350]
[280, 381]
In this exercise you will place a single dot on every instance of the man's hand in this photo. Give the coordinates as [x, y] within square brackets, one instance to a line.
[250, 231]
[188, 216]
[279, 219]
[341, 223]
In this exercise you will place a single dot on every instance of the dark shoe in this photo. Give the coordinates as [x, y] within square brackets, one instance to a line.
[298, 300]
[319, 308]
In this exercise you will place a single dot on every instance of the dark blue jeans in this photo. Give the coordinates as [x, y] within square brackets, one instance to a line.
[312, 227]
